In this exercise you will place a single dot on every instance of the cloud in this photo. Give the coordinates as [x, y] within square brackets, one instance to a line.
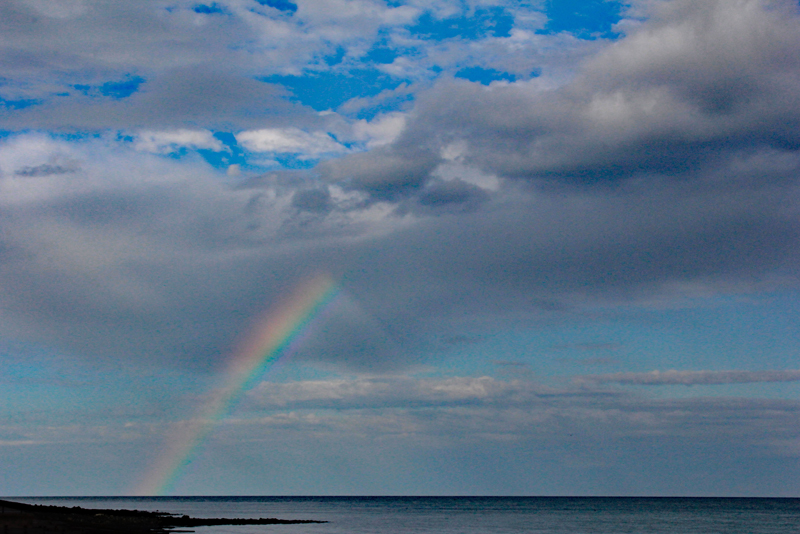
[690, 378]
[381, 130]
[451, 194]
[62, 9]
[540, 198]
[586, 439]
[391, 391]
[312, 200]
[385, 173]
[94, 66]
[180, 34]
[164, 256]
[199, 66]
[46, 169]
[99, 256]
[690, 88]
[165, 142]
[596, 433]
[177, 98]
[289, 140]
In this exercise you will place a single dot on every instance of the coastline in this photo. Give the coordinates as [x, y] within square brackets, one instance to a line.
[21, 518]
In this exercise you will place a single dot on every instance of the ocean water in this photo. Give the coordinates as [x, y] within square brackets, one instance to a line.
[473, 515]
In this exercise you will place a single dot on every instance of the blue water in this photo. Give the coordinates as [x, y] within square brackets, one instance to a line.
[474, 515]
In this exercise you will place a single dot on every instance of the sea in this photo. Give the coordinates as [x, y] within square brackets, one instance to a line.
[472, 515]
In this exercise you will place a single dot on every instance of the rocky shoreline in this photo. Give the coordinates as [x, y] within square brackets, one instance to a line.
[20, 518]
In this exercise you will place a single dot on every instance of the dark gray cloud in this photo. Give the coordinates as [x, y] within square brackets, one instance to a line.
[118, 276]
[312, 200]
[383, 173]
[45, 169]
[169, 263]
[451, 195]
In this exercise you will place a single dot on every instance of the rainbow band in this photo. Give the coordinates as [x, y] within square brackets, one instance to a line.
[271, 340]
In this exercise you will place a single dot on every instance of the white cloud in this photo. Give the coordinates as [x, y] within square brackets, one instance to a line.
[234, 170]
[381, 130]
[165, 142]
[289, 141]
[465, 173]
[382, 391]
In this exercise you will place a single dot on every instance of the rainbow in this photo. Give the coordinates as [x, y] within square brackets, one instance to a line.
[267, 343]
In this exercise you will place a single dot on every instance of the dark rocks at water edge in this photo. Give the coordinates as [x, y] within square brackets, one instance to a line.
[19, 518]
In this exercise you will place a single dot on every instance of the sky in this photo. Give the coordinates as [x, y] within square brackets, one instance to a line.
[390, 247]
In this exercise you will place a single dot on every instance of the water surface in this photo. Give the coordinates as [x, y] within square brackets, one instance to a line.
[474, 515]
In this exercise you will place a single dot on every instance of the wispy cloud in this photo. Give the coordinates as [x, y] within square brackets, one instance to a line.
[689, 378]
[396, 391]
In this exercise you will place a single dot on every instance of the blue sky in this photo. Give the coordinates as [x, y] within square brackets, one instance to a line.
[564, 236]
